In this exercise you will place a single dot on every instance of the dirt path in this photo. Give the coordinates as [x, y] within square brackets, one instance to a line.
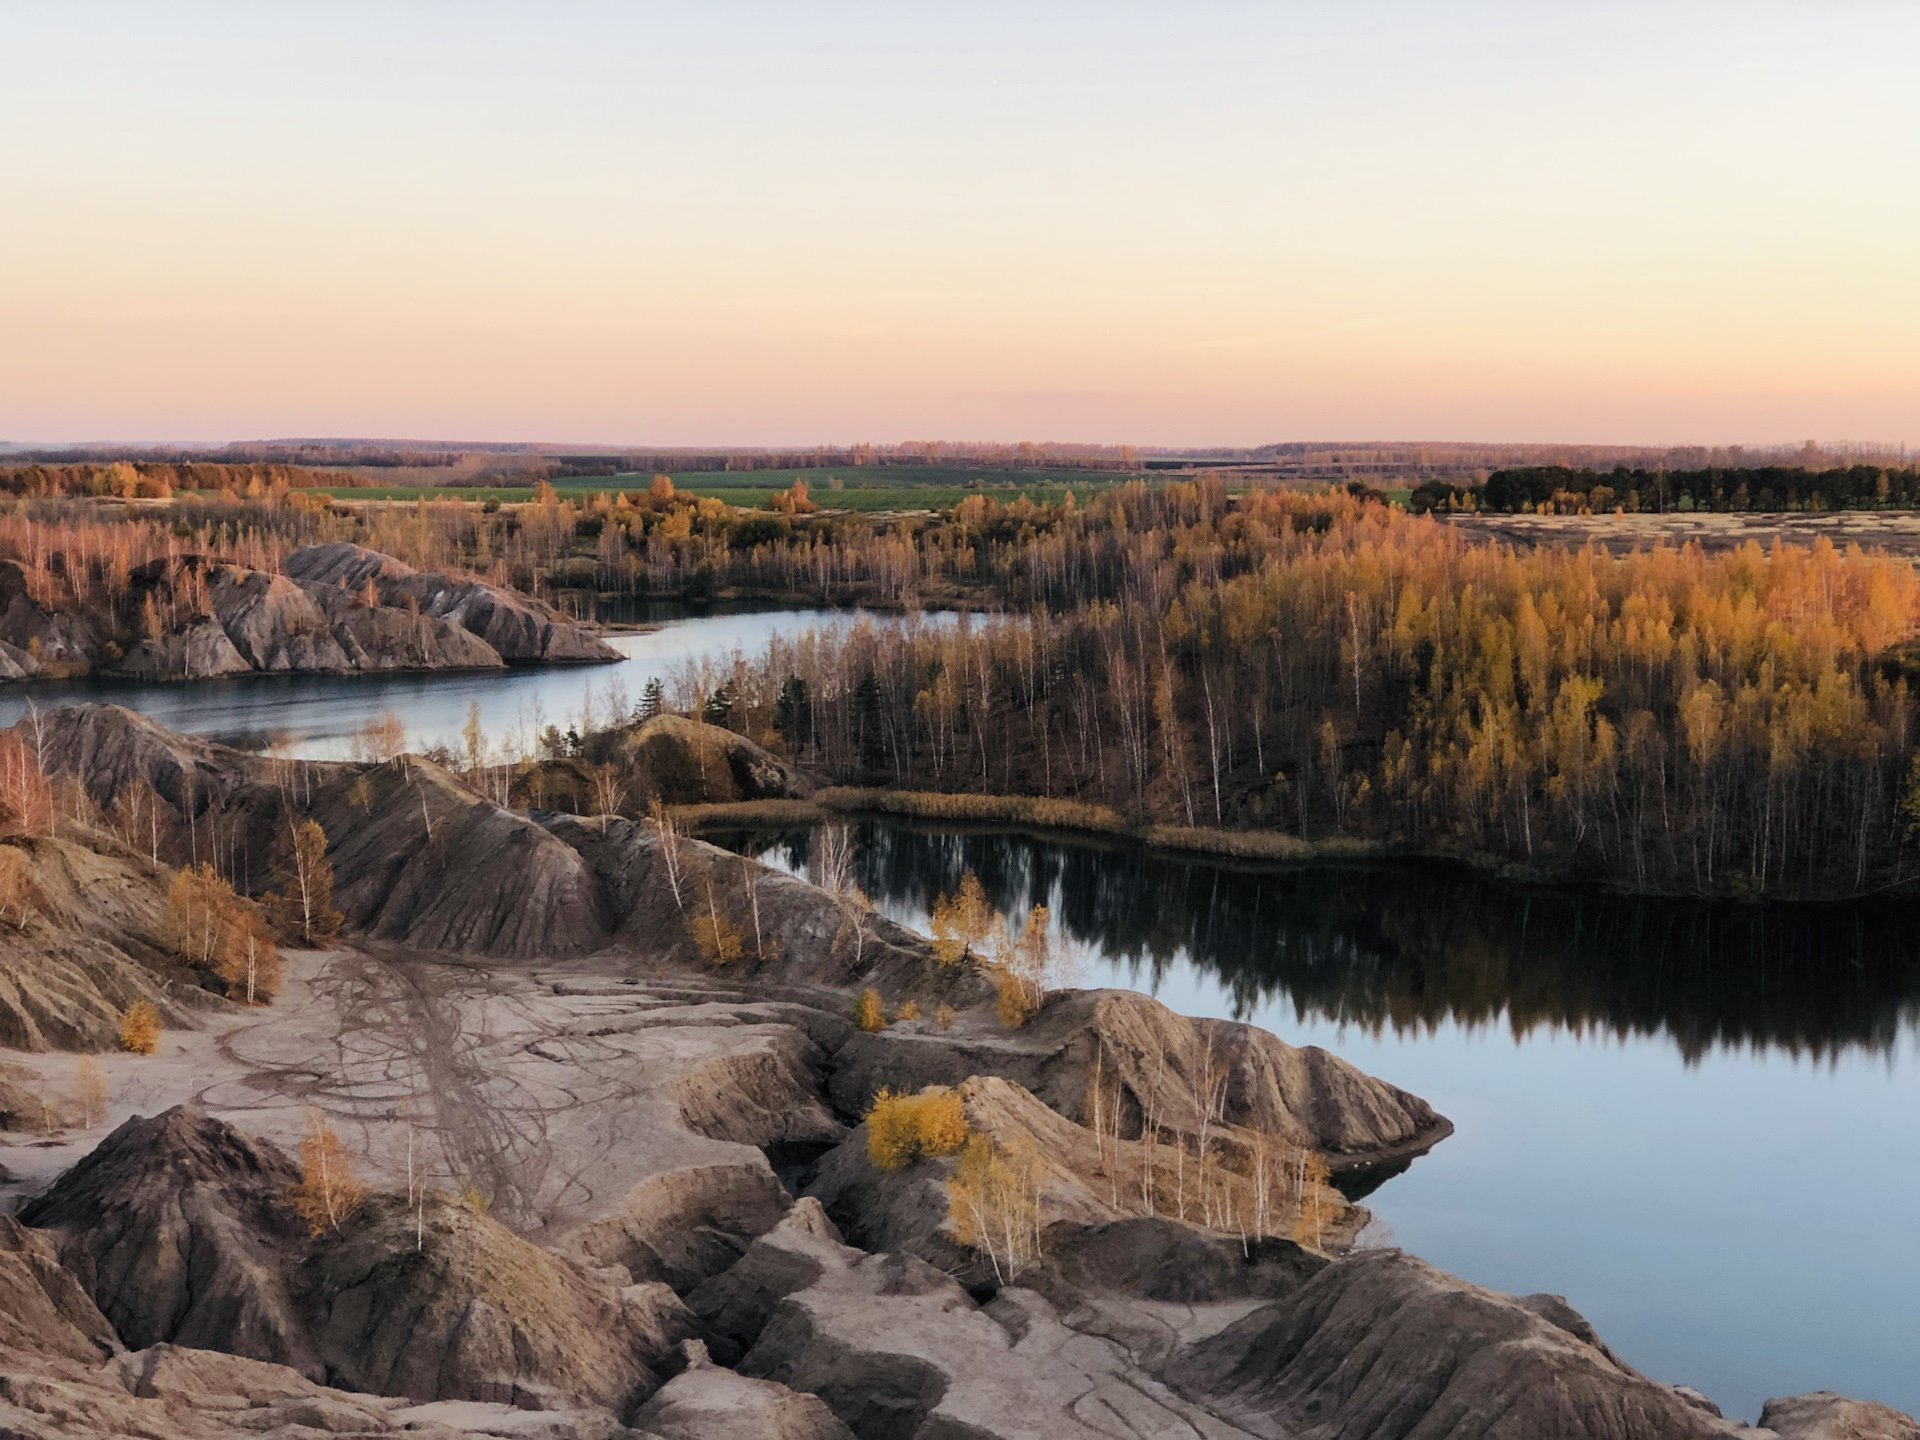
[415, 1044]
[550, 1092]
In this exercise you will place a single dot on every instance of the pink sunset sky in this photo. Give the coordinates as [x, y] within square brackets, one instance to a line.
[1167, 224]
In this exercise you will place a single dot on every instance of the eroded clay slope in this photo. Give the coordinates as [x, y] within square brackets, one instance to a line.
[518, 628]
[180, 1228]
[336, 609]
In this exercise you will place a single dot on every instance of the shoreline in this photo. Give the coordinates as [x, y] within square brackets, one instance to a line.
[1256, 848]
[26, 684]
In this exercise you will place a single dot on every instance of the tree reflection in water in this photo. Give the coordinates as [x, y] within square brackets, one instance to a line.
[1410, 946]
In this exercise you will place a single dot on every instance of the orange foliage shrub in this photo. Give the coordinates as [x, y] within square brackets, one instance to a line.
[140, 1028]
[903, 1128]
[328, 1192]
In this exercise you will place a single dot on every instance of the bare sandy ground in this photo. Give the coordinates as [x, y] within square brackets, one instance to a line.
[553, 1092]
[1895, 532]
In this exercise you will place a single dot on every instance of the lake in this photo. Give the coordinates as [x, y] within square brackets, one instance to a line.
[1697, 1122]
[315, 716]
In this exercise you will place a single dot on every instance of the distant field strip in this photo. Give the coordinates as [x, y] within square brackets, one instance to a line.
[931, 487]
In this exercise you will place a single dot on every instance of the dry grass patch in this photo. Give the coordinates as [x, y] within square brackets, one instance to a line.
[748, 813]
[979, 809]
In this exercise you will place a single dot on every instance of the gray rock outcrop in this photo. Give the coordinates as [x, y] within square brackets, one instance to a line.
[793, 931]
[112, 751]
[736, 1304]
[1824, 1415]
[518, 628]
[420, 859]
[470, 1311]
[897, 1349]
[335, 610]
[705, 1402]
[168, 1392]
[180, 1228]
[1383, 1345]
[43, 1309]
[669, 758]
[1076, 1180]
[687, 763]
[208, 618]
[1149, 1058]
[37, 641]
[89, 944]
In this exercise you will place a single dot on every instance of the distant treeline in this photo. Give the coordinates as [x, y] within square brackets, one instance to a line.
[1475, 460]
[308, 453]
[1557, 490]
[485, 463]
[154, 480]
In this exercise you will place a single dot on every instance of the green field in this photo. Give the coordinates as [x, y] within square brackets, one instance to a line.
[876, 488]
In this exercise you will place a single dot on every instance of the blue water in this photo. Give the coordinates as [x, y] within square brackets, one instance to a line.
[315, 716]
[1696, 1122]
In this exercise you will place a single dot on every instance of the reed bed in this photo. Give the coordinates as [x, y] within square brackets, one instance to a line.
[1023, 810]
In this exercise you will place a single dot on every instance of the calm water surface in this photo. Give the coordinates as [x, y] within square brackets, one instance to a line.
[1697, 1122]
[315, 716]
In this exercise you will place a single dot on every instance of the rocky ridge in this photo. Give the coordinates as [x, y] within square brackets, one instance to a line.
[668, 758]
[179, 1227]
[334, 609]
[84, 941]
[1131, 1327]
[517, 628]
[460, 1308]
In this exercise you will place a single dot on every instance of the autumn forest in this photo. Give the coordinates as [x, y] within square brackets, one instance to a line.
[1322, 666]
[1332, 668]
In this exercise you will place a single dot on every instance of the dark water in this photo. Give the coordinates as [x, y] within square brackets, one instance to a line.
[1700, 1123]
[315, 716]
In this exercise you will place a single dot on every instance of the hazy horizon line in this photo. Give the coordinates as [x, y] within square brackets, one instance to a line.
[732, 447]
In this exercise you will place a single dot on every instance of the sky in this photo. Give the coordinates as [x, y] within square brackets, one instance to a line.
[1165, 224]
